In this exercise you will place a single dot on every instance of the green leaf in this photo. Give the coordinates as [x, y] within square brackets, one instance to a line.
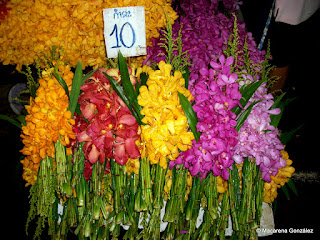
[244, 115]
[125, 79]
[118, 89]
[275, 119]
[78, 111]
[75, 91]
[137, 87]
[277, 101]
[190, 114]
[143, 78]
[127, 86]
[62, 82]
[10, 120]
[286, 136]
[247, 93]
[186, 76]
[22, 119]
[33, 91]
[285, 191]
[89, 74]
[292, 186]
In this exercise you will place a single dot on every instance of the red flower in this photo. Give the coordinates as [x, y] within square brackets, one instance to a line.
[111, 130]
[87, 170]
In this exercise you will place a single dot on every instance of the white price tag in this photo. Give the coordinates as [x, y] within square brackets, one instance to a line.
[125, 30]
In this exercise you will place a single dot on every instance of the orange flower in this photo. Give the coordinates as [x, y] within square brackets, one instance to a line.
[47, 121]
[74, 25]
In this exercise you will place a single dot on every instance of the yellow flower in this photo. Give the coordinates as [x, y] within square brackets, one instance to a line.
[132, 165]
[222, 185]
[166, 131]
[270, 189]
[138, 70]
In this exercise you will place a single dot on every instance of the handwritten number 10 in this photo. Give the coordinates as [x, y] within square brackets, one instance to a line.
[115, 30]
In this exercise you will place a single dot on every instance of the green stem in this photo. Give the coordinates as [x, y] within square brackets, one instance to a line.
[146, 183]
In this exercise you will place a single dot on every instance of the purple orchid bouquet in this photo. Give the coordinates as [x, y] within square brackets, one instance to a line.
[216, 94]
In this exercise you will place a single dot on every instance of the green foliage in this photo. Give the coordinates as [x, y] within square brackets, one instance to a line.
[190, 114]
[31, 83]
[55, 54]
[243, 54]
[126, 92]
[111, 63]
[10, 120]
[233, 48]
[75, 90]
[174, 54]
[42, 196]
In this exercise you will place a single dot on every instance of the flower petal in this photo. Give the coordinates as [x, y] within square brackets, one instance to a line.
[93, 155]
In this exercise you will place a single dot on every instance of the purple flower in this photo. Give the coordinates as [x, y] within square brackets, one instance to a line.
[215, 86]
[213, 104]
[258, 139]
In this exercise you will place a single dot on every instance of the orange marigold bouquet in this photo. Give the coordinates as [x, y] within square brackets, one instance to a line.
[33, 26]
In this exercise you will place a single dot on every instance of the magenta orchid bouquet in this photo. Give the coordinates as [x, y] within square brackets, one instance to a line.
[216, 94]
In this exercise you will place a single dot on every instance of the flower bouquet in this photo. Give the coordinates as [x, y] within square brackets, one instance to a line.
[151, 148]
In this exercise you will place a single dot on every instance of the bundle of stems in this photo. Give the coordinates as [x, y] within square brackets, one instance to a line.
[42, 196]
[45, 183]
[175, 208]
[152, 231]
[123, 208]
[78, 165]
[78, 181]
[146, 188]
[208, 226]
[224, 216]
[211, 194]
[158, 185]
[96, 184]
[176, 204]
[246, 205]
[64, 186]
[193, 206]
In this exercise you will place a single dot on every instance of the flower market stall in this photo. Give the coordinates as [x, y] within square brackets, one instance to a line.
[179, 144]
